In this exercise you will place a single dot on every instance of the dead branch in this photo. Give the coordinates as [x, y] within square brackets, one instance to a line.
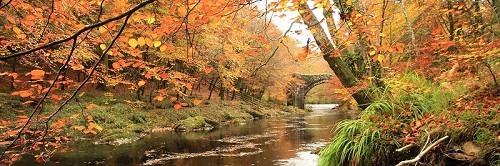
[421, 154]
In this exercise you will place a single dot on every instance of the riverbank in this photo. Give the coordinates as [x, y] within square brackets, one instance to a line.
[111, 120]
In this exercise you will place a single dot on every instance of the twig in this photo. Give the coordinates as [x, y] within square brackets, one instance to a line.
[48, 20]
[405, 148]
[421, 154]
[7, 3]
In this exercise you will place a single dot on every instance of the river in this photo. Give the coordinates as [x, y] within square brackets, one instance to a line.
[275, 141]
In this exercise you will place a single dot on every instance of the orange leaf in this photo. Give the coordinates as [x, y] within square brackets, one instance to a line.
[208, 70]
[11, 20]
[25, 93]
[177, 106]
[13, 75]
[116, 65]
[173, 98]
[182, 11]
[37, 74]
[55, 97]
[222, 60]
[90, 106]
[141, 41]
[197, 102]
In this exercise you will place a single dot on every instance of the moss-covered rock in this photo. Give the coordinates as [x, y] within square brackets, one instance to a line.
[195, 124]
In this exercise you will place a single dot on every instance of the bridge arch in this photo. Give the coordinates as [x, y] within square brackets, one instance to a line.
[298, 92]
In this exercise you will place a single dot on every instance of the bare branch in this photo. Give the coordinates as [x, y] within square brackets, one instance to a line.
[86, 28]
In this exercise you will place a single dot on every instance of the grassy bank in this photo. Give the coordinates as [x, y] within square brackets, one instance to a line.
[412, 113]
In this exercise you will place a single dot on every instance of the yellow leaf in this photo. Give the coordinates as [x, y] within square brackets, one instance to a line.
[157, 44]
[21, 36]
[81, 94]
[103, 46]
[182, 11]
[380, 57]
[80, 128]
[141, 83]
[102, 29]
[17, 30]
[132, 42]
[141, 41]
[95, 126]
[313, 31]
[151, 20]
[74, 116]
[372, 52]
[160, 98]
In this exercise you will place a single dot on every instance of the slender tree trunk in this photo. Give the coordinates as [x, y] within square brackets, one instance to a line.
[410, 28]
[222, 91]
[451, 21]
[13, 70]
[212, 87]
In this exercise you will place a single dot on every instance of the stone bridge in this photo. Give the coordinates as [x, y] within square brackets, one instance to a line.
[296, 95]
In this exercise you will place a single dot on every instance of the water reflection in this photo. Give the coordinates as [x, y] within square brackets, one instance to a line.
[285, 141]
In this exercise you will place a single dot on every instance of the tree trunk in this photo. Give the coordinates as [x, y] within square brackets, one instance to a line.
[339, 67]
[222, 91]
[451, 21]
[13, 70]
[212, 87]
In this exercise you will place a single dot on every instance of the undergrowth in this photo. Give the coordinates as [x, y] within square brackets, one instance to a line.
[397, 118]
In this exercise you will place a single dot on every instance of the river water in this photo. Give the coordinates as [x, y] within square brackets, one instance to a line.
[275, 141]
